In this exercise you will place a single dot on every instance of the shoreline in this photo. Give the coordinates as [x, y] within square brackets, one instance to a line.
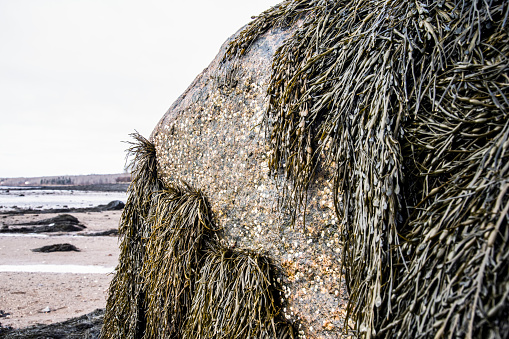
[121, 187]
[65, 285]
[23, 211]
[21, 200]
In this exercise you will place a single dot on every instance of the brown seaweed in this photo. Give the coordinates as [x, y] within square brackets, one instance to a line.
[182, 224]
[125, 308]
[237, 296]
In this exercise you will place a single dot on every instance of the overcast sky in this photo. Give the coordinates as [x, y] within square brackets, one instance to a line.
[78, 76]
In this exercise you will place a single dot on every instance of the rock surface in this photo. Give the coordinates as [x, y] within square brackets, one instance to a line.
[60, 223]
[56, 248]
[213, 138]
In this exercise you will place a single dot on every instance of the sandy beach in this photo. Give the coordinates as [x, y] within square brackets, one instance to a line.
[31, 292]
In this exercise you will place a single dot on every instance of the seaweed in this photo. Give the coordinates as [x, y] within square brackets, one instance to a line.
[125, 309]
[182, 225]
[237, 296]
[169, 245]
[406, 104]
[66, 247]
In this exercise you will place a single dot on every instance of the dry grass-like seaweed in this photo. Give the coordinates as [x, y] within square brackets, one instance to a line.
[407, 103]
[237, 296]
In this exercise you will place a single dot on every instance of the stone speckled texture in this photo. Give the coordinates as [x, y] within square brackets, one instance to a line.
[213, 138]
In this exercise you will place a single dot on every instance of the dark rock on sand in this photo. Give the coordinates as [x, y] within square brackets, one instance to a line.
[86, 326]
[60, 223]
[115, 205]
[3, 330]
[56, 248]
[59, 219]
[110, 232]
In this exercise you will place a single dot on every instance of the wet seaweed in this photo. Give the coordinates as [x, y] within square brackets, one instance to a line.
[66, 247]
[126, 306]
[406, 104]
[182, 226]
[237, 296]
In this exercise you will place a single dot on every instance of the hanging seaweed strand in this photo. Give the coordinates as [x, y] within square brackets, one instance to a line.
[237, 296]
[182, 225]
[125, 309]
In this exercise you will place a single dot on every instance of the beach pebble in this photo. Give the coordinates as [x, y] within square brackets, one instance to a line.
[46, 310]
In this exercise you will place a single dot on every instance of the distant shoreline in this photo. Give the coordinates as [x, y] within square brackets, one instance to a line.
[90, 182]
[18, 200]
[121, 187]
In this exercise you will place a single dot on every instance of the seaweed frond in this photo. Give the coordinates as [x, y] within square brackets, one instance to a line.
[182, 226]
[237, 296]
[125, 309]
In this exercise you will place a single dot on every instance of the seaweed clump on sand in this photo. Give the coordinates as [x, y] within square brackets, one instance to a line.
[56, 248]
[406, 104]
[168, 238]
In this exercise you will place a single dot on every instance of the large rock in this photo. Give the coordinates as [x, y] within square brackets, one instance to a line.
[213, 138]
[410, 118]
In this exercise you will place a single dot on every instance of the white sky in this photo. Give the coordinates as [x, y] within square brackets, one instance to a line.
[78, 76]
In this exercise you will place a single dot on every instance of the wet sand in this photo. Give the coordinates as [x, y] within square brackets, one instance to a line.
[27, 296]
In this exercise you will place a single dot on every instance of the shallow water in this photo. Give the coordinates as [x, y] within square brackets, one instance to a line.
[11, 199]
[38, 235]
[32, 235]
[46, 268]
